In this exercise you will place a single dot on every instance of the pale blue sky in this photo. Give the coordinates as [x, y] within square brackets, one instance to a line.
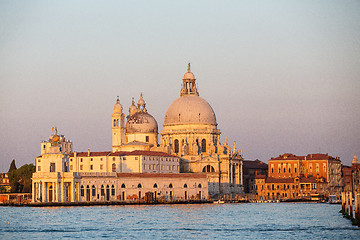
[282, 76]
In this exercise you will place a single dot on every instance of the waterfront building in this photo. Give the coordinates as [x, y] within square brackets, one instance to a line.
[351, 176]
[4, 183]
[300, 177]
[190, 132]
[250, 170]
[189, 163]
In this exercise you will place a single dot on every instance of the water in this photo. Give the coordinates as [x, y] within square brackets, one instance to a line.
[208, 221]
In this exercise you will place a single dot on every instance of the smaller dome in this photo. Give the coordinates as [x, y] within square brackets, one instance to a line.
[141, 101]
[118, 107]
[189, 75]
[55, 138]
[141, 122]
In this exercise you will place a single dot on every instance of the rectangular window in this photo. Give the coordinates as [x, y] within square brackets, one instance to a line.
[81, 159]
[71, 167]
[91, 159]
[81, 167]
[147, 139]
[91, 167]
[39, 168]
[101, 167]
[52, 167]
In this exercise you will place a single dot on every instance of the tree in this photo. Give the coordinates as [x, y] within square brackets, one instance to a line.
[20, 179]
[12, 166]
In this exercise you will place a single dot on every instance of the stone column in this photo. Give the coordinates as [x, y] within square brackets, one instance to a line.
[62, 199]
[43, 192]
[237, 174]
[33, 192]
[343, 201]
[53, 191]
[72, 191]
[241, 173]
[58, 196]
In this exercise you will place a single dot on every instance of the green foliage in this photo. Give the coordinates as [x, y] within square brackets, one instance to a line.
[20, 179]
[12, 166]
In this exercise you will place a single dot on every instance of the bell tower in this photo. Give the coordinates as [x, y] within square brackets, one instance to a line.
[118, 130]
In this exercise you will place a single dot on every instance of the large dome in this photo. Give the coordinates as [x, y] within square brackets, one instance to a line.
[141, 122]
[189, 109]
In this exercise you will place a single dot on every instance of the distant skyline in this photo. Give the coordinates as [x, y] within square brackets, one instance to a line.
[281, 76]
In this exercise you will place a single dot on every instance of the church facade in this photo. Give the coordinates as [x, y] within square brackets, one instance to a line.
[190, 132]
[188, 163]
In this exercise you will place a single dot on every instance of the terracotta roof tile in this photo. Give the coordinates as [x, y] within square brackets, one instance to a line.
[256, 164]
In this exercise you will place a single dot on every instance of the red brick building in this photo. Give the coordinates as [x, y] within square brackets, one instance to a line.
[300, 177]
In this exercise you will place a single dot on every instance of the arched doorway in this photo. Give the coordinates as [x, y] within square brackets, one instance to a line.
[88, 193]
[107, 193]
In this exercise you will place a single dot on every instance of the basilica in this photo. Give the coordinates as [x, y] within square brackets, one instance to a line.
[188, 162]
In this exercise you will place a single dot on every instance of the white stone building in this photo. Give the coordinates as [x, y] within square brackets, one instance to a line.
[189, 155]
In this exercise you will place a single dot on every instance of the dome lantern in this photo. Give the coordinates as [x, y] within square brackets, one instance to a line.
[189, 84]
[118, 107]
[141, 103]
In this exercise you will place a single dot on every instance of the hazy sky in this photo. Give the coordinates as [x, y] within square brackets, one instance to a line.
[281, 76]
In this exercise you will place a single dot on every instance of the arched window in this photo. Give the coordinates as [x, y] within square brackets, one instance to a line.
[102, 190]
[155, 185]
[93, 190]
[176, 145]
[199, 186]
[82, 192]
[185, 185]
[114, 122]
[170, 185]
[114, 167]
[208, 168]
[139, 185]
[112, 190]
[203, 145]
[123, 185]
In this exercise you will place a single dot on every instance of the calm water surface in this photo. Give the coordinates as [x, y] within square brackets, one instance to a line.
[209, 221]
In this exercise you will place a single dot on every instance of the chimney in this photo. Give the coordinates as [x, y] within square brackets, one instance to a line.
[75, 154]
[89, 152]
